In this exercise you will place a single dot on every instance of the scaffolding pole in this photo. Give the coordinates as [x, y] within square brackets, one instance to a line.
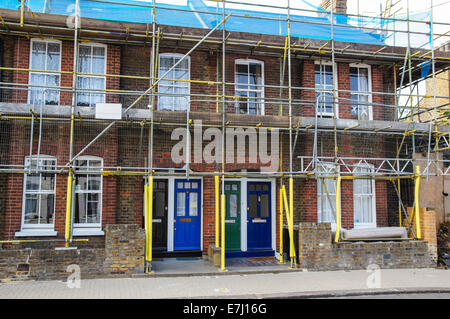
[291, 185]
[220, 198]
[223, 206]
[71, 177]
[416, 202]
[124, 112]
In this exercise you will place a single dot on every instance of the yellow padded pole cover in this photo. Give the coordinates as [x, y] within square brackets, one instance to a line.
[68, 208]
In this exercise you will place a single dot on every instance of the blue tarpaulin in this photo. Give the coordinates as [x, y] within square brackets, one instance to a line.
[196, 14]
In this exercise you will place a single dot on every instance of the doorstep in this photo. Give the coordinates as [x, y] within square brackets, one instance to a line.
[201, 266]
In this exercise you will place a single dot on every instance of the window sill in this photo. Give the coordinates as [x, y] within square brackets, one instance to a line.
[88, 232]
[363, 226]
[36, 233]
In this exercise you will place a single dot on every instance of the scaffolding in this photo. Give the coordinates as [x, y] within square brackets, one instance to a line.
[322, 155]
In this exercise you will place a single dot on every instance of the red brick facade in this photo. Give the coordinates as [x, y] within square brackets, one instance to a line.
[123, 196]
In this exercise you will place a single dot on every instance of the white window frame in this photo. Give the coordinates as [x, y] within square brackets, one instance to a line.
[161, 84]
[372, 197]
[46, 41]
[90, 229]
[37, 229]
[92, 45]
[327, 90]
[322, 197]
[258, 90]
[369, 84]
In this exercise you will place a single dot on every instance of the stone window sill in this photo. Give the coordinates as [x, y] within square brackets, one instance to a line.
[88, 232]
[36, 233]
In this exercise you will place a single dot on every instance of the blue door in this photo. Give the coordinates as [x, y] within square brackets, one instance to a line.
[187, 215]
[259, 235]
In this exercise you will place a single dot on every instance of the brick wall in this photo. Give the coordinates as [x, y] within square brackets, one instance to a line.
[56, 137]
[428, 229]
[22, 47]
[50, 264]
[7, 61]
[122, 196]
[379, 84]
[122, 255]
[317, 252]
[55, 140]
[124, 249]
[349, 145]
[22, 61]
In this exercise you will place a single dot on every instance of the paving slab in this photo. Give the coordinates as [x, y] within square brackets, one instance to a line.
[254, 286]
[195, 266]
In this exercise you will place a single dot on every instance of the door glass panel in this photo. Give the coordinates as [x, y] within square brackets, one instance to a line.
[264, 205]
[233, 205]
[251, 187]
[160, 204]
[258, 187]
[181, 204]
[194, 185]
[187, 185]
[180, 184]
[253, 212]
[235, 187]
[227, 187]
[265, 187]
[193, 204]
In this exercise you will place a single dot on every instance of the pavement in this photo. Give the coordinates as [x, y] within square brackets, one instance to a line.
[197, 279]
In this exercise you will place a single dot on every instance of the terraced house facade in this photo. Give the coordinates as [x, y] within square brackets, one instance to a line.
[190, 125]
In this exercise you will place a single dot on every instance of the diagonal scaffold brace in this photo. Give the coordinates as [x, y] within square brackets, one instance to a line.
[124, 112]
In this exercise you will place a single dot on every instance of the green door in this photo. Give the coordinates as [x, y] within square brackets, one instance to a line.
[233, 216]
